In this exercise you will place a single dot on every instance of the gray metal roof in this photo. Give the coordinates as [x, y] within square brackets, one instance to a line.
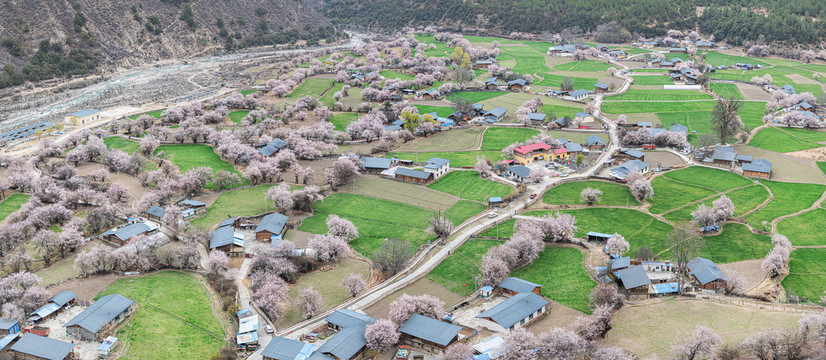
[741, 157]
[376, 163]
[224, 235]
[537, 116]
[497, 112]
[620, 263]
[156, 211]
[6, 324]
[705, 270]
[25, 131]
[193, 203]
[43, 347]
[432, 330]
[759, 165]
[392, 127]
[678, 128]
[601, 86]
[645, 123]
[634, 153]
[629, 166]
[519, 81]
[280, 348]
[84, 113]
[578, 93]
[435, 163]
[593, 139]
[573, 146]
[101, 312]
[63, 297]
[582, 115]
[6, 340]
[343, 345]
[44, 311]
[418, 174]
[273, 223]
[273, 146]
[633, 277]
[348, 318]
[515, 309]
[228, 222]
[129, 231]
[520, 170]
[724, 153]
[518, 285]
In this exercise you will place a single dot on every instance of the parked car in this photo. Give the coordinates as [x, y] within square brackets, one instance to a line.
[268, 329]
[564, 175]
[492, 214]
[533, 196]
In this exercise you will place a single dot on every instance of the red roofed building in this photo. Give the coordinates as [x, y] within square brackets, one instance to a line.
[560, 154]
[527, 154]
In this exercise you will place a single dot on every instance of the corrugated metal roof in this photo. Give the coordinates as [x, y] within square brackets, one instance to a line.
[515, 309]
[101, 312]
[376, 163]
[705, 270]
[633, 277]
[593, 139]
[193, 203]
[418, 174]
[634, 153]
[273, 223]
[435, 163]
[518, 285]
[44, 311]
[664, 288]
[348, 318]
[578, 93]
[42, 347]
[573, 147]
[129, 231]
[6, 324]
[620, 263]
[84, 113]
[537, 116]
[156, 211]
[497, 111]
[759, 165]
[520, 170]
[432, 330]
[6, 340]
[228, 222]
[280, 348]
[343, 345]
[63, 297]
[222, 236]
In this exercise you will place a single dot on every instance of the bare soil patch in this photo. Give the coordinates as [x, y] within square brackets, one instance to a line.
[373, 185]
[318, 167]
[132, 183]
[381, 308]
[800, 79]
[817, 154]
[750, 269]
[86, 288]
[753, 92]
[664, 158]
[454, 140]
[299, 238]
[559, 316]
[785, 167]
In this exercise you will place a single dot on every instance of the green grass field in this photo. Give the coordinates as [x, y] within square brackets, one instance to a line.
[568, 194]
[804, 229]
[312, 87]
[327, 98]
[442, 111]
[779, 140]
[584, 65]
[238, 115]
[735, 243]
[528, 60]
[242, 202]
[559, 270]
[463, 210]
[457, 158]
[807, 274]
[745, 200]
[441, 49]
[670, 194]
[727, 90]
[714, 58]
[716, 179]
[555, 112]
[342, 120]
[376, 219]
[822, 166]
[656, 107]
[157, 114]
[652, 80]
[553, 80]
[497, 138]
[469, 185]
[11, 203]
[788, 198]
[662, 95]
[177, 293]
[457, 272]
[119, 143]
[191, 156]
[475, 96]
[249, 91]
[392, 74]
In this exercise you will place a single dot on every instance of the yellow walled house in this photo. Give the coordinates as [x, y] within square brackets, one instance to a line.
[560, 154]
[527, 154]
[82, 117]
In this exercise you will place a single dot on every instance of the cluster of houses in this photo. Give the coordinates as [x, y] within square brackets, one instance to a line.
[726, 156]
[431, 170]
[92, 324]
[271, 229]
[643, 279]
[616, 53]
[659, 42]
[247, 336]
[517, 85]
[573, 95]
[122, 234]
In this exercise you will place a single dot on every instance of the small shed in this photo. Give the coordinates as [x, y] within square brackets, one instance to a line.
[597, 236]
[514, 285]
[106, 346]
[600, 88]
[429, 334]
[271, 225]
[9, 326]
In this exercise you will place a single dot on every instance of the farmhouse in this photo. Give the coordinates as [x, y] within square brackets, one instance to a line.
[618, 54]
[375, 165]
[519, 172]
[562, 50]
[600, 88]
[428, 334]
[9, 326]
[561, 122]
[513, 313]
[280, 348]
[155, 213]
[645, 124]
[431, 94]
[594, 142]
[617, 264]
[271, 227]
[560, 154]
[666, 64]
[586, 117]
[679, 128]
[123, 235]
[634, 280]
[82, 117]
[93, 323]
[273, 147]
[233, 222]
[517, 84]
[677, 50]
[761, 168]
[198, 206]
[621, 171]
[392, 128]
[437, 167]
[788, 89]
[578, 94]
[53, 306]
[411, 175]
[706, 275]
[492, 83]
[574, 149]
[602, 48]
[526, 154]
[705, 45]
[34, 347]
[724, 156]
[227, 240]
[495, 114]
[656, 265]
[349, 342]
[633, 154]
[537, 117]
[514, 285]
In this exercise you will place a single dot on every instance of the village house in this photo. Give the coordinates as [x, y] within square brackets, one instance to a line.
[273, 147]
[35, 347]
[123, 235]
[428, 334]
[619, 263]
[392, 128]
[723, 156]
[677, 50]
[663, 289]
[431, 95]
[517, 84]
[743, 159]
[573, 149]
[155, 213]
[492, 83]
[621, 171]
[95, 322]
[8, 327]
[412, 176]
[514, 285]
[666, 64]
[600, 88]
[496, 114]
[760, 168]
[788, 89]
[705, 45]
[679, 128]
[372, 165]
[527, 154]
[281, 348]
[82, 117]
[232, 221]
[53, 306]
[618, 54]
[561, 122]
[706, 275]
[657, 265]
[437, 167]
[349, 342]
[271, 227]
[645, 124]
[513, 313]
[586, 117]
[602, 48]
[227, 240]
[578, 95]
[519, 172]
[634, 281]
[537, 118]
[594, 142]
[562, 50]
[196, 205]
[560, 155]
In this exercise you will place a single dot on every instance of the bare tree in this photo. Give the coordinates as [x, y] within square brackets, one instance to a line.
[724, 119]
[440, 225]
[391, 257]
[685, 242]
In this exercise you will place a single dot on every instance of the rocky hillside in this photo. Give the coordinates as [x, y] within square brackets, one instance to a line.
[126, 33]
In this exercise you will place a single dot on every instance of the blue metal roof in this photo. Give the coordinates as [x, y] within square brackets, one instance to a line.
[518, 285]
[486, 288]
[705, 270]
[63, 297]
[44, 311]
[601, 86]
[228, 222]
[101, 312]
[392, 128]
[582, 115]
[349, 318]
[598, 234]
[537, 116]
[573, 147]
[495, 199]
[280, 348]
[6, 324]
[193, 203]
[435, 163]
[156, 211]
[515, 309]
[432, 330]
[84, 113]
[633, 277]
[25, 131]
[273, 223]
[42, 347]
[497, 112]
[664, 288]
[578, 93]
[6, 340]
[645, 123]
[376, 163]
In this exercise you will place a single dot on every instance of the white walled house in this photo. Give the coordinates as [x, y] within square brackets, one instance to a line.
[437, 167]
[513, 313]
